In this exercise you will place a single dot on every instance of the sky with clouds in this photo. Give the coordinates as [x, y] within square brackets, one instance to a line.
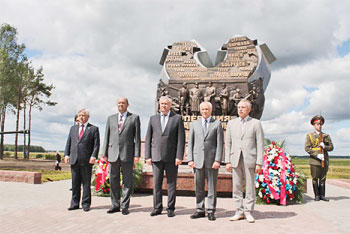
[94, 51]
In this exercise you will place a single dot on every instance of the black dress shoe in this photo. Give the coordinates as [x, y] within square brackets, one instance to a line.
[73, 208]
[197, 215]
[211, 217]
[113, 210]
[125, 211]
[155, 212]
[171, 213]
[86, 209]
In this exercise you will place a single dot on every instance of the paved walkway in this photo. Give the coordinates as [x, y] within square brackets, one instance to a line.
[26, 208]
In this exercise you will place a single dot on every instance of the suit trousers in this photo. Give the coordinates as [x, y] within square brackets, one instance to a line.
[171, 176]
[238, 173]
[212, 177]
[81, 175]
[127, 170]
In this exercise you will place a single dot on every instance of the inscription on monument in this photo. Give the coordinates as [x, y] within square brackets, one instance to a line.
[190, 79]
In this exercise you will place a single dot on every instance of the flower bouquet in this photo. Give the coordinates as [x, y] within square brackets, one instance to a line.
[277, 182]
[101, 177]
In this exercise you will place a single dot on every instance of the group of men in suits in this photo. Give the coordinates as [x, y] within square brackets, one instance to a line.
[164, 150]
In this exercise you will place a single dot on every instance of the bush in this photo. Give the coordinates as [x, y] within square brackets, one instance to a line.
[39, 156]
[50, 157]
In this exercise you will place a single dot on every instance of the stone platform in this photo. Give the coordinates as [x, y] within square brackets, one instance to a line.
[185, 181]
[20, 176]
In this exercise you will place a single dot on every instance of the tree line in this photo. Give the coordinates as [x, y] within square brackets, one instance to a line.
[22, 87]
[32, 148]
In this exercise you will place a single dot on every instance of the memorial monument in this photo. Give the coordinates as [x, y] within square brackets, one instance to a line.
[241, 71]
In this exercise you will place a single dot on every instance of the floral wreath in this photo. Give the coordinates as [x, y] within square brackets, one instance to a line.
[278, 181]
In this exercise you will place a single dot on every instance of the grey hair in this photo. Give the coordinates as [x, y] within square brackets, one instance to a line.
[165, 98]
[84, 110]
[208, 103]
[249, 104]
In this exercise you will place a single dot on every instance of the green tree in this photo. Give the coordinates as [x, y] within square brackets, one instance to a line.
[38, 95]
[11, 54]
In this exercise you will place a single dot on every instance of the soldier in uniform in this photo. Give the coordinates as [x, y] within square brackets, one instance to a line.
[317, 145]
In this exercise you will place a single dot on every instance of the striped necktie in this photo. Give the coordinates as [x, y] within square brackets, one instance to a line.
[120, 125]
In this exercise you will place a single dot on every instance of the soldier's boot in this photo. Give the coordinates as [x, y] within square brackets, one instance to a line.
[316, 190]
[322, 190]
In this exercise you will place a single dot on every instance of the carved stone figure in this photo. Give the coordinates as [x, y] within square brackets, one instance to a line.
[224, 99]
[184, 99]
[235, 97]
[209, 95]
[195, 95]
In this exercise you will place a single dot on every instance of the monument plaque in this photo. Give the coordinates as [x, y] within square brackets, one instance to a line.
[241, 71]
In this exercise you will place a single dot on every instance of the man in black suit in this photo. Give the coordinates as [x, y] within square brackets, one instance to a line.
[81, 151]
[122, 145]
[164, 150]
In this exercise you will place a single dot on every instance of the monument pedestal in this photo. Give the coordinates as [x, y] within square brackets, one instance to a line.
[185, 181]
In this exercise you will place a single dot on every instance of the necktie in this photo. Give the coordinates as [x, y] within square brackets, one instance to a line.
[163, 122]
[120, 125]
[81, 132]
[242, 124]
[205, 126]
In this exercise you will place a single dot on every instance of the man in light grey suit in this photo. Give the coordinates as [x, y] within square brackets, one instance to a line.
[205, 148]
[81, 151]
[122, 148]
[244, 155]
[164, 150]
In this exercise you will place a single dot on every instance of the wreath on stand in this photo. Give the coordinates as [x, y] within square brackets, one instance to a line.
[278, 182]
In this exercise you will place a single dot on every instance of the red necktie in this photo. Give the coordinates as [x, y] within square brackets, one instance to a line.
[81, 132]
[120, 126]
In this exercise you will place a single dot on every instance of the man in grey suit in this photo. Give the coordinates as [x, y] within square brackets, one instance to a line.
[121, 148]
[244, 154]
[164, 150]
[81, 151]
[205, 148]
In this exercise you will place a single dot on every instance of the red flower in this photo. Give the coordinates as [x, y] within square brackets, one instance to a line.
[265, 197]
[268, 201]
[263, 190]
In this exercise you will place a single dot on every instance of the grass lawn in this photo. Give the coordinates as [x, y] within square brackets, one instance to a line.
[47, 175]
[338, 168]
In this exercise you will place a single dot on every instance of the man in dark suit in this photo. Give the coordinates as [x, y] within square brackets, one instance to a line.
[164, 150]
[205, 148]
[121, 147]
[81, 151]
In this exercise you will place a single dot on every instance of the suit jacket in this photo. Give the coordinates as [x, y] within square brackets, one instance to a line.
[204, 150]
[80, 151]
[168, 145]
[250, 142]
[125, 144]
[312, 147]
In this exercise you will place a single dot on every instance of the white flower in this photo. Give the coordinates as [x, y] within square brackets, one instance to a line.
[261, 177]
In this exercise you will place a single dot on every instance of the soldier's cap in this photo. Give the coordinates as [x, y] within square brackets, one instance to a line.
[317, 118]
